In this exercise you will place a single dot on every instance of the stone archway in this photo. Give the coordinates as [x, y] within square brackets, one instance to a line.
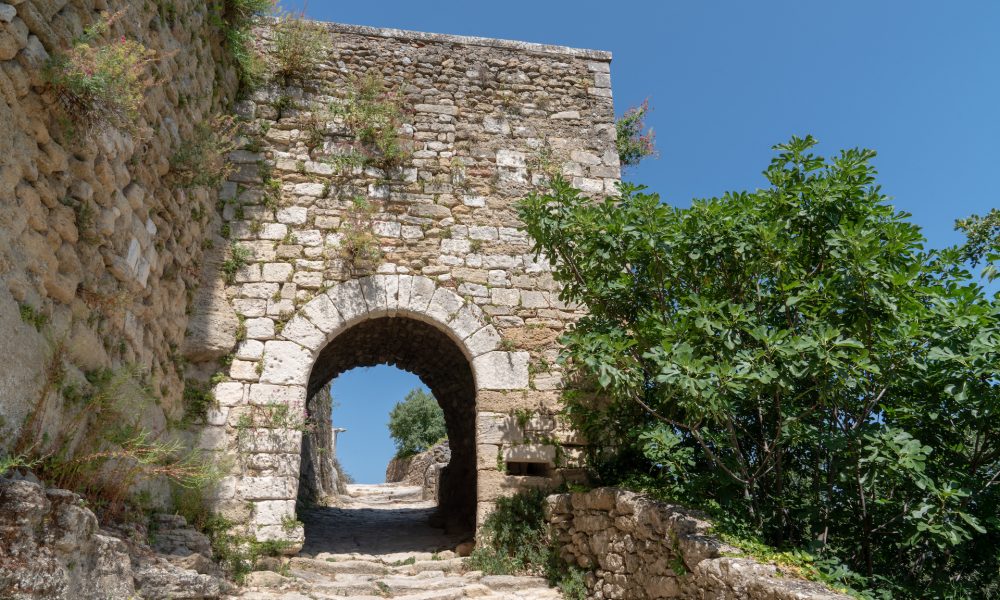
[380, 318]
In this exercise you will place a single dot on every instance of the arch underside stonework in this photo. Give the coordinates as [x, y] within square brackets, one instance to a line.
[404, 320]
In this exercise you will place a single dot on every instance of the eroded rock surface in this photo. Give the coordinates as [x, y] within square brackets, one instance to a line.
[52, 547]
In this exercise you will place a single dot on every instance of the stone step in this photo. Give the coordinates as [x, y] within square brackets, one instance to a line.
[453, 565]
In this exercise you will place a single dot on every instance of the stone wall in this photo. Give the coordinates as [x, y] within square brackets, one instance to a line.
[99, 245]
[638, 549]
[485, 123]
[422, 469]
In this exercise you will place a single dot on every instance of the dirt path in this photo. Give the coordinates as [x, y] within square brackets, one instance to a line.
[378, 544]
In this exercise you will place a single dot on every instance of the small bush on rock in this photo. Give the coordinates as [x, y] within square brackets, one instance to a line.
[101, 83]
[201, 160]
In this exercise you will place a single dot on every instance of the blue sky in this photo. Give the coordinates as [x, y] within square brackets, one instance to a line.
[915, 80]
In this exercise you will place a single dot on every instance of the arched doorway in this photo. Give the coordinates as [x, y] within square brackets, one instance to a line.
[404, 319]
[422, 349]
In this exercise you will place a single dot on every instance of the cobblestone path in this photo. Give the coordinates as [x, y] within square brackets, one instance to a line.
[379, 544]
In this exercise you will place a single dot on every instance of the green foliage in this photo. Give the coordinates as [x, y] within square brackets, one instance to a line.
[298, 47]
[416, 423]
[235, 19]
[201, 161]
[374, 113]
[983, 241]
[632, 140]
[101, 82]
[794, 356]
[32, 317]
[197, 401]
[513, 538]
[239, 257]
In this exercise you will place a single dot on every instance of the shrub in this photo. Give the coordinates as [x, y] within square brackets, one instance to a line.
[298, 47]
[514, 538]
[101, 450]
[101, 83]
[416, 423]
[794, 355]
[632, 142]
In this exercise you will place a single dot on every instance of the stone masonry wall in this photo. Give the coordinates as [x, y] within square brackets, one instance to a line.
[96, 240]
[486, 122]
[639, 549]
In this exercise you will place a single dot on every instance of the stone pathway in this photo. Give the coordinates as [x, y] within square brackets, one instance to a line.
[379, 544]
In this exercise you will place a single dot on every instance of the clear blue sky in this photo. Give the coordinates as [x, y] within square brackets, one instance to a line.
[916, 80]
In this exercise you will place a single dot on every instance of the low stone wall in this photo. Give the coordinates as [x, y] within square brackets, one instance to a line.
[640, 549]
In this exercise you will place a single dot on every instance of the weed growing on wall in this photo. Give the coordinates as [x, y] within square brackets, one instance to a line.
[374, 112]
[101, 82]
[359, 247]
[239, 257]
[234, 19]
[101, 450]
[297, 47]
[201, 160]
[633, 140]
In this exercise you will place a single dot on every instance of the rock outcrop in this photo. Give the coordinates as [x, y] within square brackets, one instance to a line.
[639, 549]
[52, 548]
[423, 469]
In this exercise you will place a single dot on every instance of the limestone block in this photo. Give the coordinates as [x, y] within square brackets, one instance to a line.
[289, 395]
[267, 488]
[287, 363]
[375, 291]
[273, 512]
[469, 319]
[260, 328]
[230, 393]
[482, 341]
[293, 215]
[444, 305]
[249, 350]
[323, 314]
[501, 370]
[530, 453]
[349, 300]
[270, 441]
[300, 330]
[421, 291]
[211, 330]
[277, 272]
[496, 428]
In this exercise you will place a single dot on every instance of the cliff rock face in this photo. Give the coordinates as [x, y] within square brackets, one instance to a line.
[52, 548]
[101, 248]
[319, 479]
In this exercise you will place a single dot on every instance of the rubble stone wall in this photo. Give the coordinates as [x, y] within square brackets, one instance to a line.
[636, 548]
[485, 122]
[100, 249]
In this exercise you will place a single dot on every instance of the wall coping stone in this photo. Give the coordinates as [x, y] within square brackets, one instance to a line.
[466, 40]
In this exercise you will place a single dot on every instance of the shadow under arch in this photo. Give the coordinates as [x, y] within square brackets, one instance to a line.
[413, 345]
